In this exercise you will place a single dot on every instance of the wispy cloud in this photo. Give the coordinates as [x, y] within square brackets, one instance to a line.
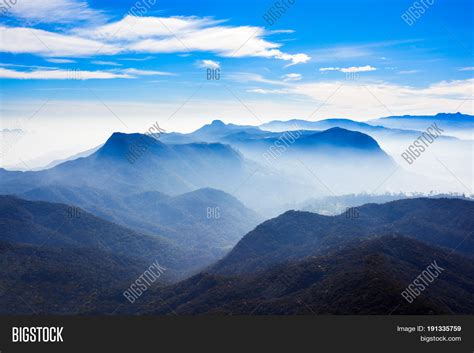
[374, 99]
[467, 68]
[381, 99]
[349, 69]
[145, 58]
[356, 51]
[208, 64]
[60, 74]
[149, 35]
[50, 44]
[107, 63]
[55, 11]
[251, 77]
[266, 91]
[408, 72]
[137, 72]
[292, 77]
[60, 61]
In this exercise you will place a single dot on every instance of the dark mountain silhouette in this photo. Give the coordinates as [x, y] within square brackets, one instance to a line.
[338, 137]
[364, 277]
[446, 223]
[59, 226]
[44, 279]
[334, 205]
[298, 263]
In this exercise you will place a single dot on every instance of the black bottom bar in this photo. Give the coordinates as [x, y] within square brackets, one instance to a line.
[247, 334]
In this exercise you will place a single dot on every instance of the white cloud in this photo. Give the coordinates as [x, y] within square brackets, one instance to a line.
[208, 64]
[292, 77]
[55, 11]
[108, 63]
[137, 72]
[348, 52]
[132, 28]
[349, 69]
[358, 69]
[251, 77]
[149, 35]
[60, 74]
[371, 100]
[408, 72]
[44, 43]
[295, 58]
[330, 69]
[226, 41]
[138, 59]
[468, 68]
[60, 61]
[266, 91]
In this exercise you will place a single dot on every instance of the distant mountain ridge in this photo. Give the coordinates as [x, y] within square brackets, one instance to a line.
[457, 124]
[247, 163]
[295, 234]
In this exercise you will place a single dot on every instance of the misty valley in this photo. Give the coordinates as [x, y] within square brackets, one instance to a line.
[289, 217]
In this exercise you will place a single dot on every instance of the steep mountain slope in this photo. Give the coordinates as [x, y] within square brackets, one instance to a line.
[365, 277]
[293, 235]
[205, 222]
[58, 226]
[37, 279]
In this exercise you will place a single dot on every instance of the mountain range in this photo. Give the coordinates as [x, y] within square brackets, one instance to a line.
[216, 209]
[298, 263]
[440, 222]
[363, 278]
[338, 155]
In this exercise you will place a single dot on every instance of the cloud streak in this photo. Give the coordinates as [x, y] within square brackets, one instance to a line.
[349, 69]
[208, 64]
[55, 11]
[135, 34]
[73, 74]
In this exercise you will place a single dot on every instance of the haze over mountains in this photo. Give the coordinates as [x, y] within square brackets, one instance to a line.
[215, 207]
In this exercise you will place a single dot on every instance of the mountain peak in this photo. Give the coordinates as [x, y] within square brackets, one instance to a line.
[217, 123]
[119, 143]
[344, 138]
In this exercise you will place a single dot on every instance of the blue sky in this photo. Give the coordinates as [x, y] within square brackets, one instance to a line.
[91, 66]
